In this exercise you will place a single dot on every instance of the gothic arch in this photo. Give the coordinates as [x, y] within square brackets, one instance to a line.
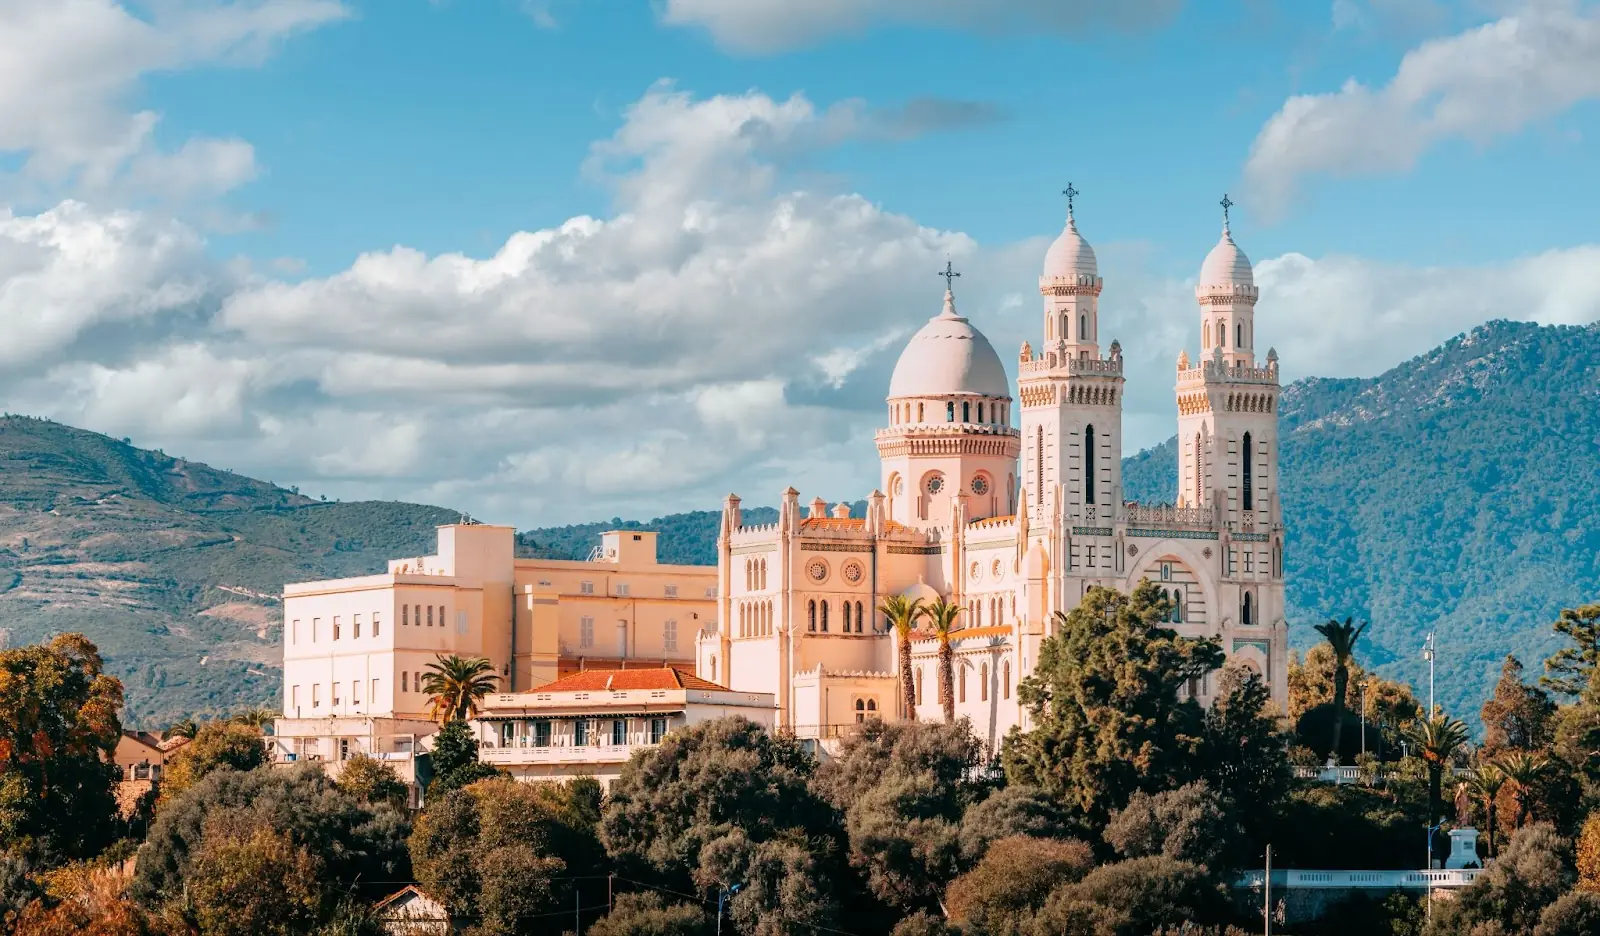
[1187, 553]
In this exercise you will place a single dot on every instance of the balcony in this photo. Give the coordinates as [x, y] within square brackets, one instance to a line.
[560, 754]
[1363, 880]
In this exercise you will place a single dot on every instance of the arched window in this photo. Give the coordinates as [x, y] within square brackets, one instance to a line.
[872, 705]
[811, 615]
[1064, 328]
[1247, 612]
[861, 711]
[983, 682]
[1038, 466]
[749, 575]
[1177, 606]
[1083, 328]
[919, 690]
[860, 617]
[1222, 333]
[1238, 334]
[1199, 473]
[846, 614]
[741, 620]
[950, 411]
[962, 684]
[713, 669]
[1005, 679]
[980, 411]
[1247, 453]
[919, 412]
[1088, 464]
[966, 412]
[824, 616]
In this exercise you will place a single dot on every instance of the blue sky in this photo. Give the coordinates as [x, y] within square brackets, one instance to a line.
[576, 258]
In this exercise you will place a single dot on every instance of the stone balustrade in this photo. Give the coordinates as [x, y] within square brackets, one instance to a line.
[1167, 515]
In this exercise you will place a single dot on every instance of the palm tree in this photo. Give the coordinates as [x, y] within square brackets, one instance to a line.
[1486, 784]
[258, 718]
[902, 613]
[1342, 640]
[1522, 771]
[455, 685]
[185, 728]
[1436, 741]
[941, 617]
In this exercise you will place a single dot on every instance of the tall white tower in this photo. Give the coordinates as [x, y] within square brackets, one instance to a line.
[1228, 455]
[1072, 420]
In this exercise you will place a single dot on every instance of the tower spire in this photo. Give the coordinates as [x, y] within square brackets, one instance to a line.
[1226, 203]
[1071, 193]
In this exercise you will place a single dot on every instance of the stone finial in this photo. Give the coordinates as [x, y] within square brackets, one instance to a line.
[819, 509]
[1027, 352]
[1116, 348]
[1183, 360]
[841, 511]
[1272, 355]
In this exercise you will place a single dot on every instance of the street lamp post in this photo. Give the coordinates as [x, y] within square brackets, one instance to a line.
[1428, 654]
[1363, 717]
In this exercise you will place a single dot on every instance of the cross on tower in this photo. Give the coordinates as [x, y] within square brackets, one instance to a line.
[1226, 203]
[1070, 192]
[949, 275]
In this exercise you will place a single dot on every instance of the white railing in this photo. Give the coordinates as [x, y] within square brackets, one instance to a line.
[1168, 515]
[565, 754]
[1353, 774]
[1363, 880]
[1095, 365]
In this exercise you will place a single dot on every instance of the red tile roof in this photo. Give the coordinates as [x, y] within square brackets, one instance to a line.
[833, 523]
[623, 680]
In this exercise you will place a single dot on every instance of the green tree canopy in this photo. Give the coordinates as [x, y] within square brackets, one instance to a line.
[648, 914]
[1000, 896]
[217, 745]
[1519, 715]
[1109, 719]
[58, 730]
[372, 781]
[454, 759]
[1569, 669]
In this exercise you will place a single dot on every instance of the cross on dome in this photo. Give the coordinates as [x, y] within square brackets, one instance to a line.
[1071, 193]
[949, 273]
[1226, 203]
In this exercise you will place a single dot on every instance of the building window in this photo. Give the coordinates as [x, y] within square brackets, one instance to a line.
[335, 687]
[845, 612]
[962, 685]
[1005, 678]
[980, 412]
[586, 632]
[1038, 466]
[442, 619]
[294, 631]
[405, 681]
[294, 697]
[658, 730]
[860, 615]
[336, 627]
[966, 412]
[375, 624]
[1247, 613]
[919, 685]
[586, 588]
[622, 588]
[316, 695]
[861, 711]
[1083, 328]
[1199, 474]
[344, 749]
[541, 734]
[372, 693]
[430, 616]
[1177, 606]
[355, 692]
[355, 626]
[1238, 334]
[1222, 333]
[1088, 464]
[669, 635]
[619, 732]
[405, 615]
[824, 615]
[950, 411]
[580, 732]
[983, 682]
[811, 615]
[672, 591]
[1247, 469]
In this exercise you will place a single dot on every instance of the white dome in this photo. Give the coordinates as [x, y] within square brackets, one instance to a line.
[1070, 256]
[948, 356]
[1226, 265]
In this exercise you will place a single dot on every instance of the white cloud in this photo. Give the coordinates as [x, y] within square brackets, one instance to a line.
[69, 69]
[772, 25]
[1479, 85]
[690, 344]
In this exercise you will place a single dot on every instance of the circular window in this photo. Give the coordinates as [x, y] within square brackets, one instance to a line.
[852, 572]
[935, 484]
[980, 485]
[976, 572]
[995, 570]
[817, 571]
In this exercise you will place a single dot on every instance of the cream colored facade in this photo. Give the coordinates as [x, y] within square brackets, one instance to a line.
[1016, 524]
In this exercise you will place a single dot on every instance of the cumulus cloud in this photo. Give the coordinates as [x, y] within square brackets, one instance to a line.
[68, 69]
[774, 25]
[718, 331]
[1479, 85]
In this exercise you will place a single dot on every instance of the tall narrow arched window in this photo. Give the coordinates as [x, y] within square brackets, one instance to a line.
[1238, 334]
[860, 617]
[1038, 466]
[1083, 328]
[824, 615]
[966, 412]
[919, 690]
[1199, 473]
[1065, 331]
[1247, 469]
[983, 682]
[1088, 464]
[1005, 679]
[811, 615]
[1247, 611]
[1177, 606]
[980, 411]
[1222, 333]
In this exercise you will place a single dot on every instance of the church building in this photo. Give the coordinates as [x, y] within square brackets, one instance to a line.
[1014, 524]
